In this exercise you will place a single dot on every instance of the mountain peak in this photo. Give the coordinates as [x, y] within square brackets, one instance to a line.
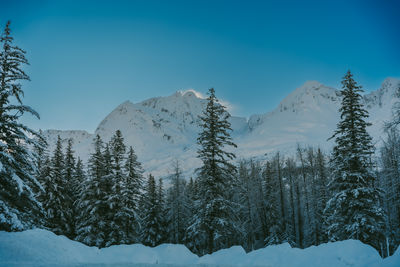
[311, 85]
[310, 96]
[190, 93]
[391, 83]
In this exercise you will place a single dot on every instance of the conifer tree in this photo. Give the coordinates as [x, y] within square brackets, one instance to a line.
[93, 225]
[119, 214]
[275, 227]
[214, 221]
[390, 183]
[42, 170]
[321, 195]
[69, 192]
[152, 226]
[55, 197]
[40, 154]
[353, 211]
[132, 193]
[177, 206]
[162, 213]
[18, 205]
[79, 178]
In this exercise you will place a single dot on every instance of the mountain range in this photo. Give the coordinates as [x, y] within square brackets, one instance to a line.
[162, 129]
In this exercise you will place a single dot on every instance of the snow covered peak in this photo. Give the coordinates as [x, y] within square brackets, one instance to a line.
[391, 82]
[312, 95]
[310, 84]
[192, 93]
[384, 96]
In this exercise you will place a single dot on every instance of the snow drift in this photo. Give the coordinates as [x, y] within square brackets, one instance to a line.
[43, 248]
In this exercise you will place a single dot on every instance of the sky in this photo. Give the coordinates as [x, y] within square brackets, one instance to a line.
[87, 57]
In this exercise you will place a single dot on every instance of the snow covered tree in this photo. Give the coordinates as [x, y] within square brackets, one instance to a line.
[69, 161]
[152, 222]
[320, 183]
[389, 180]
[55, 199]
[79, 178]
[354, 210]
[132, 192]
[274, 224]
[41, 154]
[118, 214]
[162, 212]
[214, 221]
[19, 208]
[177, 206]
[93, 220]
[69, 192]
[252, 210]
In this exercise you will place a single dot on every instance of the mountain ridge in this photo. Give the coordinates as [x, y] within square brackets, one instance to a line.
[162, 129]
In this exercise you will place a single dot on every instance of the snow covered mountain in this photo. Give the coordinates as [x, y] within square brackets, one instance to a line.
[162, 129]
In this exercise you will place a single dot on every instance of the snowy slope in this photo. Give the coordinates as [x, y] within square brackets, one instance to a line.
[164, 128]
[43, 248]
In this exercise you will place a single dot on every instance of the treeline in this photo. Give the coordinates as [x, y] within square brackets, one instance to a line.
[305, 199]
[277, 200]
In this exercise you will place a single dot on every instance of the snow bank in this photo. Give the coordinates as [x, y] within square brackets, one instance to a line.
[40, 247]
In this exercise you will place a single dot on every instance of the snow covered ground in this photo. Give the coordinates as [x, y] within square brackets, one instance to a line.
[43, 248]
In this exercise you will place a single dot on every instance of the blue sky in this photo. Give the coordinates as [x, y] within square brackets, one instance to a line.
[87, 57]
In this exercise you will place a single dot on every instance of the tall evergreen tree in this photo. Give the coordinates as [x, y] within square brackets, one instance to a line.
[354, 210]
[321, 198]
[132, 192]
[390, 183]
[18, 205]
[55, 197]
[177, 206]
[162, 212]
[214, 221]
[118, 214]
[70, 189]
[152, 222]
[93, 221]
[274, 223]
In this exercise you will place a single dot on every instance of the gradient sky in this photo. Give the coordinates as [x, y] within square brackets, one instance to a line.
[87, 57]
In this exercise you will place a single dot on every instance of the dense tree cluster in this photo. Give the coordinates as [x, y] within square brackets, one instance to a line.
[305, 198]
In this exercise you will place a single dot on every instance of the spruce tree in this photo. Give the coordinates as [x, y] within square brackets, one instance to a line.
[353, 211]
[132, 193]
[40, 154]
[18, 205]
[177, 206]
[70, 190]
[119, 214]
[162, 213]
[152, 225]
[214, 221]
[93, 220]
[55, 198]
[78, 178]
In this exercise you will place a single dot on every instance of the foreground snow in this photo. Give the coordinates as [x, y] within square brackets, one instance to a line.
[43, 248]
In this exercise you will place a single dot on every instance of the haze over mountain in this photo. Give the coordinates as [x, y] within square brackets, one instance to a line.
[162, 129]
